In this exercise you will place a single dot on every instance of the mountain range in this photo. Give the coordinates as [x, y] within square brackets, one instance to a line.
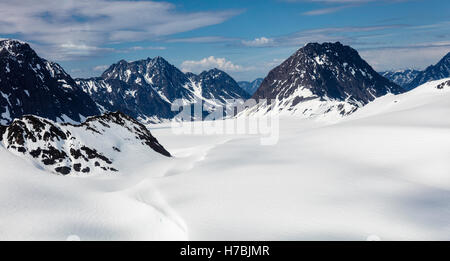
[147, 89]
[69, 126]
[317, 79]
[410, 79]
[401, 77]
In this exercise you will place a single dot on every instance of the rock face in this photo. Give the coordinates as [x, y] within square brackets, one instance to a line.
[251, 87]
[216, 85]
[320, 79]
[401, 77]
[32, 85]
[444, 85]
[435, 72]
[140, 102]
[147, 89]
[89, 147]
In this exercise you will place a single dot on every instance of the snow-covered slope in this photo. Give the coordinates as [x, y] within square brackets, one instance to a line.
[401, 77]
[37, 206]
[32, 85]
[322, 79]
[93, 146]
[427, 104]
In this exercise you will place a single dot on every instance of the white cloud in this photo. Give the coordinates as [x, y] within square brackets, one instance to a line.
[210, 63]
[141, 48]
[259, 42]
[86, 26]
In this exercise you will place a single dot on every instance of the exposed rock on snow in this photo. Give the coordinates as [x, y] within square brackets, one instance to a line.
[68, 149]
[443, 85]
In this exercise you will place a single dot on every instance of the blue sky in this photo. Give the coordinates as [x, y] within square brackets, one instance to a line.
[245, 38]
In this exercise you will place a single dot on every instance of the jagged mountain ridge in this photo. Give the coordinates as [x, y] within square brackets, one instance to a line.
[322, 78]
[90, 147]
[434, 72]
[32, 85]
[132, 99]
[401, 77]
[155, 84]
[251, 87]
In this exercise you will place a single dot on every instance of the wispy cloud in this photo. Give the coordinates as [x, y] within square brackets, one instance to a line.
[325, 10]
[201, 39]
[347, 34]
[333, 6]
[75, 28]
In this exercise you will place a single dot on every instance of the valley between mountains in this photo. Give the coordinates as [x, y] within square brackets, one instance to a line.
[357, 156]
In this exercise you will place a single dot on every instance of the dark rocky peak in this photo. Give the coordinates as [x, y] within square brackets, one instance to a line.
[157, 73]
[32, 85]
[217, 84]
[16, 48]
[328, 70]
[215, 74]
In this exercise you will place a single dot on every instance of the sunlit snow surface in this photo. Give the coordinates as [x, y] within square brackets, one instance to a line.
[383, 172]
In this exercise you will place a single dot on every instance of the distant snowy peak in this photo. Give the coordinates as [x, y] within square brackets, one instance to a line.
[71, 149]
[251, 87]
[435, 72]
[401, 77]
[217, 85]
[32, 85]
[323, 78]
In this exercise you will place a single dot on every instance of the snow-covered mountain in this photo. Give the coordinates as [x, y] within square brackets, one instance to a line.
[251, 87]
[138, 101]
[32, 85]
[216, 85]
[322, 79]
[401, 77]
[146, 89]
[93, 146]
[434, 72]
